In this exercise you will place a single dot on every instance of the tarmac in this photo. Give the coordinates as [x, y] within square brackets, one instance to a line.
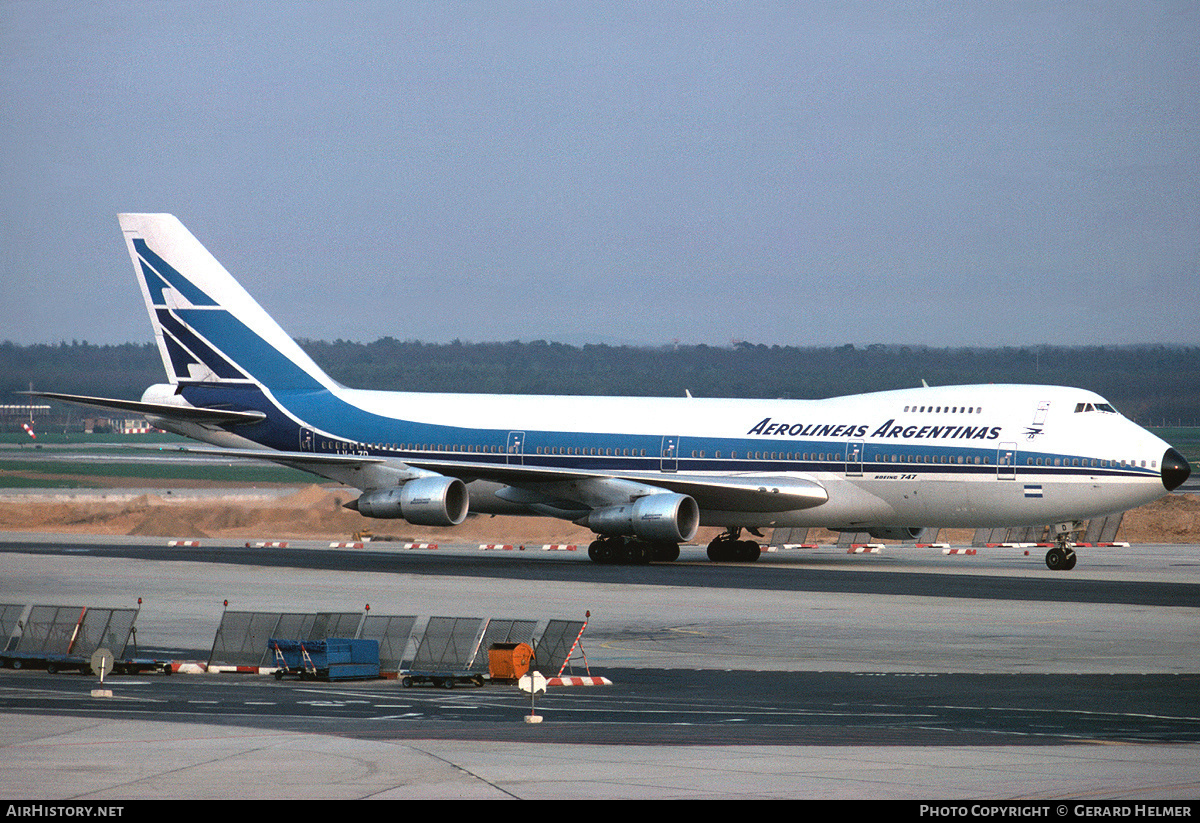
[94, 759]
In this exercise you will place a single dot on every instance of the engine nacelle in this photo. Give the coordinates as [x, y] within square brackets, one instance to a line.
[670, 518]
[895, 533]
[426, 501]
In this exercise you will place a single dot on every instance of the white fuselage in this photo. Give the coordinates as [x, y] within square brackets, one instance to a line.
[963, 456]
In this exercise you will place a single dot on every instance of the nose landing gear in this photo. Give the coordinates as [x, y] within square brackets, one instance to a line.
[1062, 556]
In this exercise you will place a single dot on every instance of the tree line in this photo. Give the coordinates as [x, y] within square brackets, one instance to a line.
[1151, 384]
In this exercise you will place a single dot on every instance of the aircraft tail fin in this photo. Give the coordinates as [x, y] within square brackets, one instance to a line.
[208, 328]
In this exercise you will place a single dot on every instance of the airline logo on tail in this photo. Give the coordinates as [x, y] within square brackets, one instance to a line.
[202, 341]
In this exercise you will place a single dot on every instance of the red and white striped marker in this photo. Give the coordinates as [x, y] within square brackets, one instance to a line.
[578, 681]
[29, 430]
[960, 551]
[559, 547]
[267, 544]
[418, 545]
[346, 545]
[504, 547]
[188, 543]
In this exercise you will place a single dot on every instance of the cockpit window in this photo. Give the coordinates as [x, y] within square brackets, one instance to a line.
[1090, 407]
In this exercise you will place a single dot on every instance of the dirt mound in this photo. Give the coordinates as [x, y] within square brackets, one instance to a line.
[315, 512]
[1173, 519]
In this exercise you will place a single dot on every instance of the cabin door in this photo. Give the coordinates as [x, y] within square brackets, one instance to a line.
[516, 448]
[670, 453]
[854, 458]
[1006, 461]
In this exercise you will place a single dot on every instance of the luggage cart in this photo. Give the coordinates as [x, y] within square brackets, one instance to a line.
[334, 658]
[441, 680]
[292, 659]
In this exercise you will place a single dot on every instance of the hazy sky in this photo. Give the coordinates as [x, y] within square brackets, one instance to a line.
[807, 173]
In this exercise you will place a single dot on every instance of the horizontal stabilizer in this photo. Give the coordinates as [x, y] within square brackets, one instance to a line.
[288, 458]
[184, 414]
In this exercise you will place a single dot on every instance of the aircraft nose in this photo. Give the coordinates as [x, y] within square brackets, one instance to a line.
[1175, 470]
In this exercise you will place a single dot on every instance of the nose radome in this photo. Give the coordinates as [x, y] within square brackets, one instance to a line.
[1175, 470]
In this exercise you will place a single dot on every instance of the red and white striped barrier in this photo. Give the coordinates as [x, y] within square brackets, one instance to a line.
[799, 546]
[559, 547]
[502, 547]
[267, 544]
[358, 545]
[933, 545]
[865, 548]
[418, 545]
[578, 681]
[189, 668]
[188, 543]
[960, 551]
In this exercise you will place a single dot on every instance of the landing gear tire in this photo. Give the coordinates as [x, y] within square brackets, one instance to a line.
[664, 552]
[601, 551]
[728, 549]
[630, 552]
[634, 553]
[1060, 559]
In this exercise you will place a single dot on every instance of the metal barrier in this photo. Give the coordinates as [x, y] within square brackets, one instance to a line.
[394, 634]
[67, 630]
[554, 649]
[448, 644]
[1103, 529]
[241, 639]
[443, 644]
[10, 621]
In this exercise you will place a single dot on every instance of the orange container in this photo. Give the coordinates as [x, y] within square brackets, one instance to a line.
[509, 661]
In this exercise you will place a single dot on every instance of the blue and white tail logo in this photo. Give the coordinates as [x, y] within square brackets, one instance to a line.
[208, 328]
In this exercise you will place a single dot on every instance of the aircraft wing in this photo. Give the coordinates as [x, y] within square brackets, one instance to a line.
[748, 492]
[736, 492]
[739, 492]
[183, 414]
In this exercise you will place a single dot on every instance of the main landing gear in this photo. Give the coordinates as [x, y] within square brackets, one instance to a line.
[727, 548]
[629, 551]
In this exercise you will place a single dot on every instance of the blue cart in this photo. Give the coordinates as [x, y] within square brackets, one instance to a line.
[335, 658]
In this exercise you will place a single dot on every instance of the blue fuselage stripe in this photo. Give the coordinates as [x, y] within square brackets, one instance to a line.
[341, 427]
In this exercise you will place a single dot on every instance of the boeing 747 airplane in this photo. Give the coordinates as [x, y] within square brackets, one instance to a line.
[642, 473]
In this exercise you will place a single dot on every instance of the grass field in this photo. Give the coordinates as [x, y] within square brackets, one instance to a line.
[25, 463]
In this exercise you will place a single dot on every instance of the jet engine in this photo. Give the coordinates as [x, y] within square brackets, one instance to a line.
[666, 517]
[426, 501]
